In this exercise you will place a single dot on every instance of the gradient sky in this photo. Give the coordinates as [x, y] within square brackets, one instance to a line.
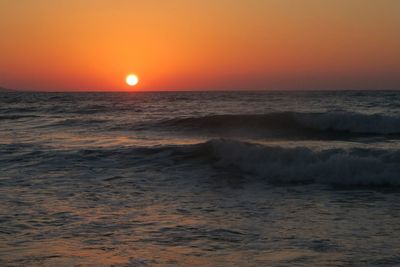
[200, 45]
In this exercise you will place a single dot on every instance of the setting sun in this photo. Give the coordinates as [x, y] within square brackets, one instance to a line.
[132, 80]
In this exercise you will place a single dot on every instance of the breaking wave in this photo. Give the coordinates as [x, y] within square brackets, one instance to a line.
[303, 165]
[293, 123]
[346, 167]
[273, 164]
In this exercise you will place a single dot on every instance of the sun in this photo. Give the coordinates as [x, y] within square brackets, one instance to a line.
[132, 80]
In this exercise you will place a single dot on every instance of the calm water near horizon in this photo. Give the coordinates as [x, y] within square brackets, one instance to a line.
[200, 179]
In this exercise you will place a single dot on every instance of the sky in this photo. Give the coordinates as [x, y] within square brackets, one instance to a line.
[92, 45]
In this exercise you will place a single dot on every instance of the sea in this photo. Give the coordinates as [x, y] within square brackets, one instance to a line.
[200, 178]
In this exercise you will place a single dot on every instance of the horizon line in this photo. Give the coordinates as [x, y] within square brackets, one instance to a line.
[4, 89]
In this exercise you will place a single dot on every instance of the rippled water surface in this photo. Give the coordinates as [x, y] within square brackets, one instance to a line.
[200, 179]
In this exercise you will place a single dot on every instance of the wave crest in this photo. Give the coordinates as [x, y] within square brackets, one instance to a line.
[303, 165]
[351, 122]
[293, 123]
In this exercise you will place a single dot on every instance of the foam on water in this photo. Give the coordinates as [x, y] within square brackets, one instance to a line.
[303, 165]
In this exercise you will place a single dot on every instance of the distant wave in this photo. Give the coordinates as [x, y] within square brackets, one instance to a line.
[82, 122]
[16, 117]
[351, 122]
[292, 123]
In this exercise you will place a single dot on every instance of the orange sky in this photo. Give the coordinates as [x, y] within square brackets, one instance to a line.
[195, 45]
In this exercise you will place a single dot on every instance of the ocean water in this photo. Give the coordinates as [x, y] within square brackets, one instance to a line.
[200, 179]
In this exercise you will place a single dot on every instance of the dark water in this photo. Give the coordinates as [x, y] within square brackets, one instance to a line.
[200, 179]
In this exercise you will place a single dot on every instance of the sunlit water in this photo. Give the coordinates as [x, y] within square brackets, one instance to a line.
[200, 179]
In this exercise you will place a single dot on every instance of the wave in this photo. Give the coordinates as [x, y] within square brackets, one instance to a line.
[85, 122]
[302, 165]
[351, 122]
[273, 164]
[280, 165]
[17, 117]
[292, 124]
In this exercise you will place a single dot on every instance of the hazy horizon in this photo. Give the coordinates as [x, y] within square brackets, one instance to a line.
[188, 90]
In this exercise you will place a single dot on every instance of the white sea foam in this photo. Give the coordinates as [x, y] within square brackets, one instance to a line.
[302, 165]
